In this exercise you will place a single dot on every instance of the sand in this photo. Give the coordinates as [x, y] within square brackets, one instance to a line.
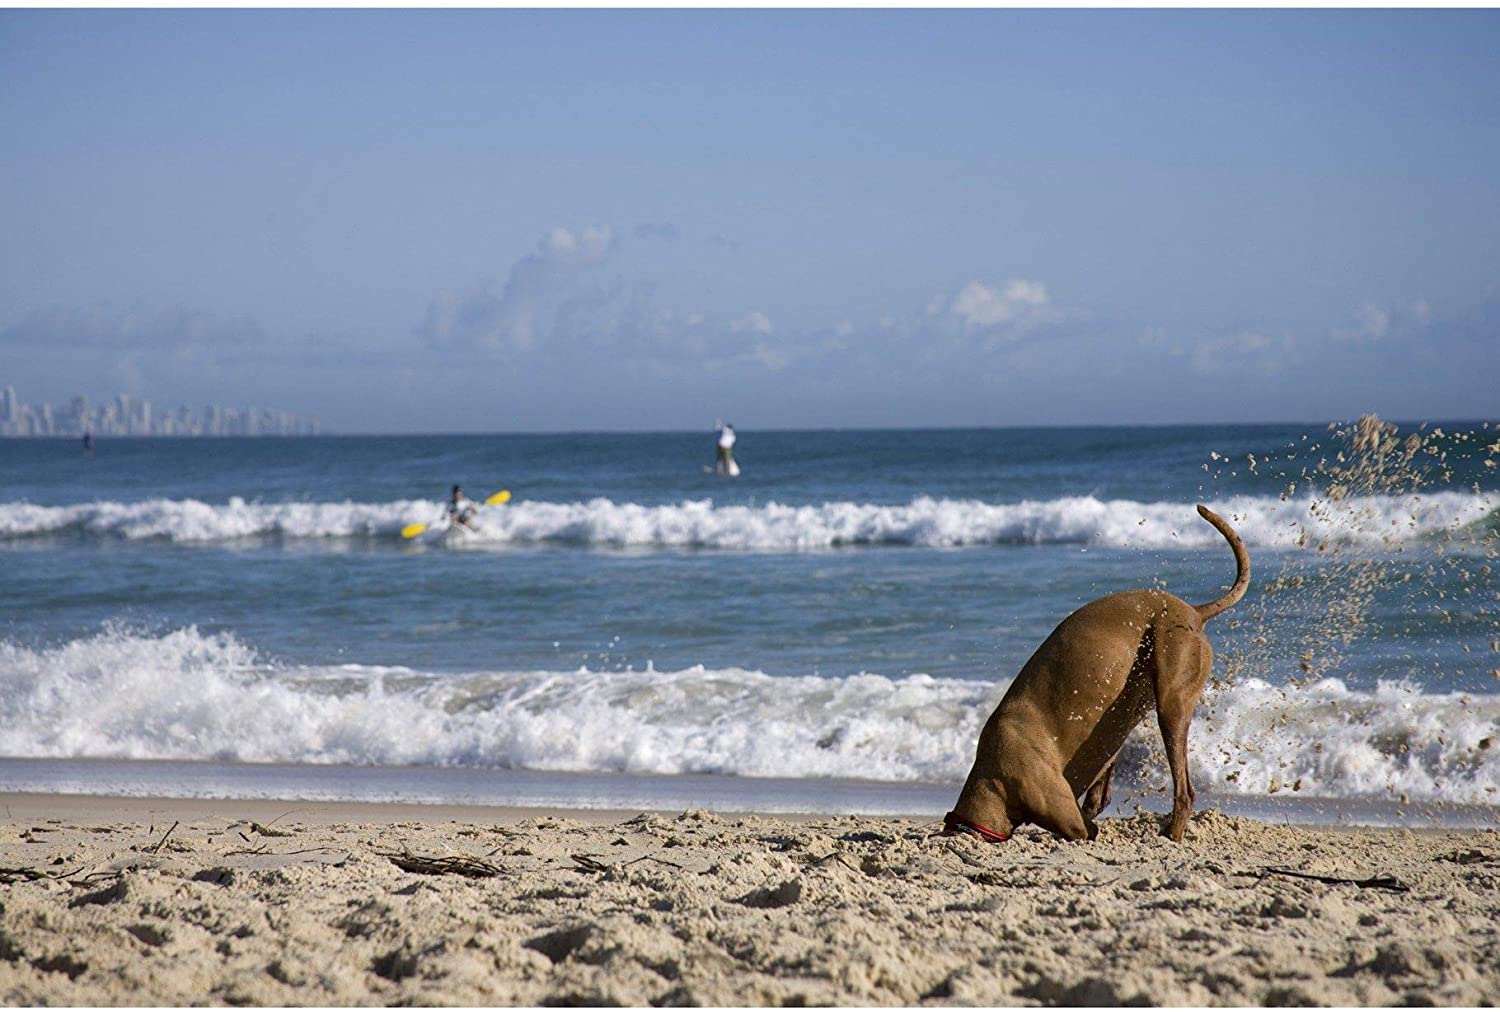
[103, 906]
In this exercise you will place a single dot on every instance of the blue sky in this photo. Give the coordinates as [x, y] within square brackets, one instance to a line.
[512, 220]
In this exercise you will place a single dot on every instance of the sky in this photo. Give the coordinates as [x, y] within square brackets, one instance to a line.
[493, 220]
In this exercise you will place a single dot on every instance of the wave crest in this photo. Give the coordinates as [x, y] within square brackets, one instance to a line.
[940, 523]
[186, 695]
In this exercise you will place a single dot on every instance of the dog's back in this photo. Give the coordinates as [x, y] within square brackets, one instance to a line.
[1090, 682]
[1073, 704]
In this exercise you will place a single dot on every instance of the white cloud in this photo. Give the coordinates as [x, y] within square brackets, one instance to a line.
[1245, 350]
[771, 358]
[1371, 323]
[534, 289]
[751, 323]
[1016, 302]
[584, 248]
[1248, 349]
[554, 304]
[555, 300]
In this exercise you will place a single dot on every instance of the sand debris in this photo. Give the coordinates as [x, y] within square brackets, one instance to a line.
[468, 867]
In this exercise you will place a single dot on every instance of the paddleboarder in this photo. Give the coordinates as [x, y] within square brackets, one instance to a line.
[724, 463]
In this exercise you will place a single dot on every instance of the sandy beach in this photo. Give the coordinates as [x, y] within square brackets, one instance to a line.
[112, 901]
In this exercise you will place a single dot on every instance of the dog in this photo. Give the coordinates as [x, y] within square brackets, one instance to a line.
[1058, 731]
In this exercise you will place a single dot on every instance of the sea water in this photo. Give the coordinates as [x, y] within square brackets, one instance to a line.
[243, 618]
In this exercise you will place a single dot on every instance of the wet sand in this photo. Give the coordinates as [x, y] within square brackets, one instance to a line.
[112, 901]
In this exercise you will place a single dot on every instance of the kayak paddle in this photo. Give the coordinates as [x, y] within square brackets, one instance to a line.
[498, 499]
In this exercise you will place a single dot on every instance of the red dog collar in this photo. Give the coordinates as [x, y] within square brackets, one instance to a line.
[955, 823]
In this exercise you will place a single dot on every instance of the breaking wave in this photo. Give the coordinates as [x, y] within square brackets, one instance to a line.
[187, 695]
[700, 524]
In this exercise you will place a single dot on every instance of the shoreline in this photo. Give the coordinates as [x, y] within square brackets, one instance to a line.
[507, 789]
[191, 902]
[19, 809]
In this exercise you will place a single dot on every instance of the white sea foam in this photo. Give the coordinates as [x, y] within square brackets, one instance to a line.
[188, 520]
[186, 695]
[948, 523]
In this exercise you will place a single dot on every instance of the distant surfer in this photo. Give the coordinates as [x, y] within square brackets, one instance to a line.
[88, 444]
[461, 509]
[725, 464]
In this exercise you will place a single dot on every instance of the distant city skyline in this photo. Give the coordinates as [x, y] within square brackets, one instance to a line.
[553, 220]
[124, 415]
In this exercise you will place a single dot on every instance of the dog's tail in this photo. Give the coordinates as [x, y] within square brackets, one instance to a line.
[1241, 562]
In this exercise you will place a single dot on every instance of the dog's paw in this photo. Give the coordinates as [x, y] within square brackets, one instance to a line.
[1177, 827]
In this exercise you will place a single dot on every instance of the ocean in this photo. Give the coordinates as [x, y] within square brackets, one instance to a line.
[242, 617]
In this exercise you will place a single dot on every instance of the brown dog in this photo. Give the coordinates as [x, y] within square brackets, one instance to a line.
[1056, 734]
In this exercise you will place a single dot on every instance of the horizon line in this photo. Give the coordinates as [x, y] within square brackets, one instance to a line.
[470, 434]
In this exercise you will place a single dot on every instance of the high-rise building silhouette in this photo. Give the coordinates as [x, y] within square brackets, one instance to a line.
[126, 415]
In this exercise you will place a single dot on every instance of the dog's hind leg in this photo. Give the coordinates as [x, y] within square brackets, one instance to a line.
[1183, 661]
[1096, 799]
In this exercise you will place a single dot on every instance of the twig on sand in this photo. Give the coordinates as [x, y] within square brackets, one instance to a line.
[263, 850]
[593, 864]
[1373, 882]
[1471, 855]
[92, 878]
[304, 850]
[468, 867]
[965, 858]
[164, 837]
[818, 862]
[9, 876]
[266, 830]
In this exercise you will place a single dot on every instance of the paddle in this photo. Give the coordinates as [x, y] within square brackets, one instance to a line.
[498, 499]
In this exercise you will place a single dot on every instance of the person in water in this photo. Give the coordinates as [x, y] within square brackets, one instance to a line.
[461, 508]
[725, 462]
[88, 444]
